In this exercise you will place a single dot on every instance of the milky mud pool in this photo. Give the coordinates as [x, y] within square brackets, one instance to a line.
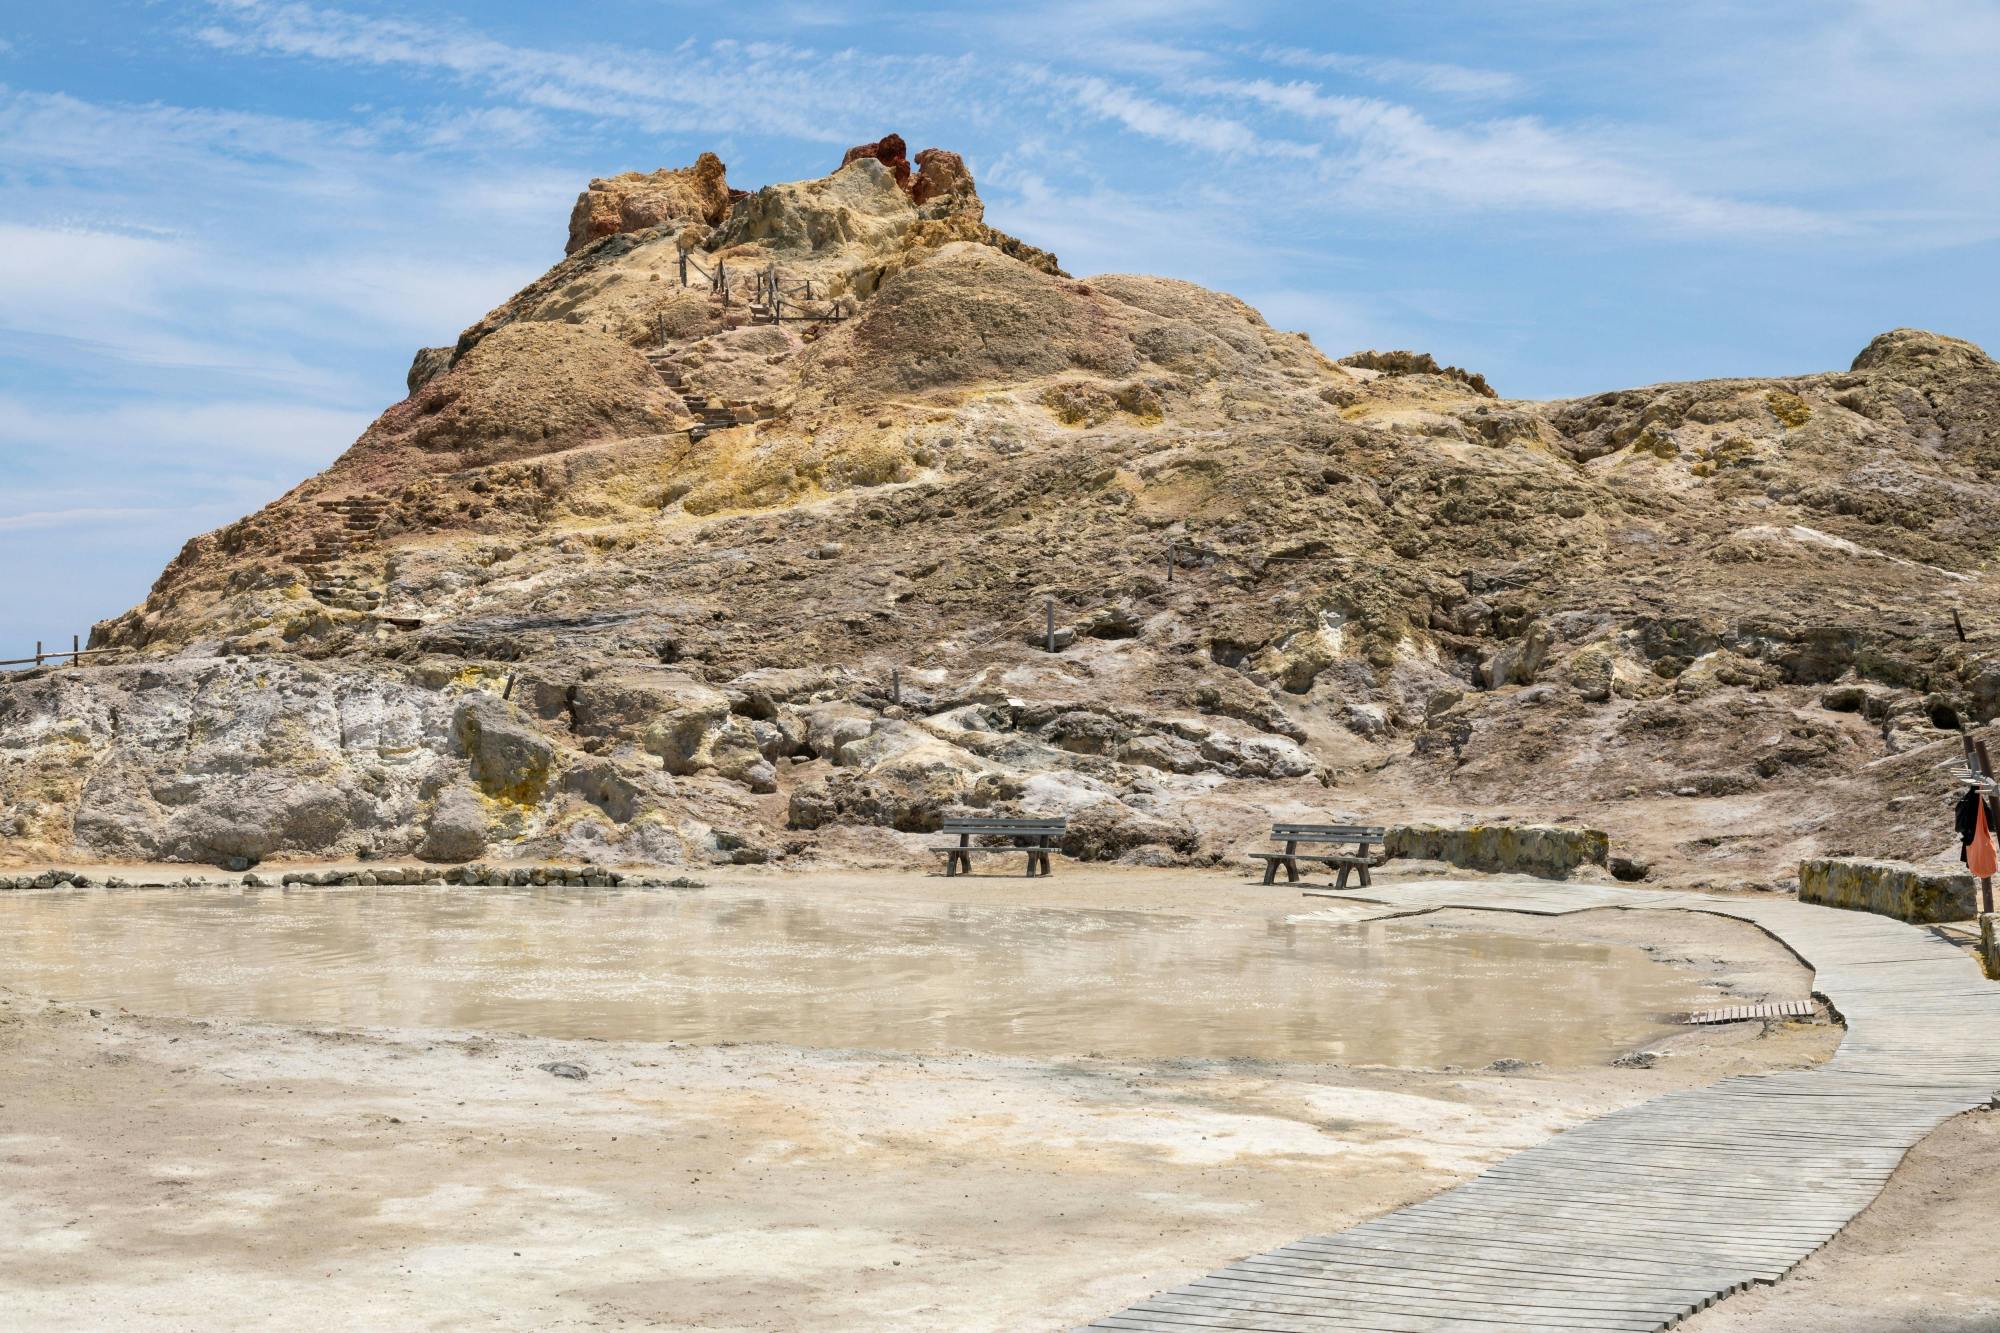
[700, 967]
[848, 1101]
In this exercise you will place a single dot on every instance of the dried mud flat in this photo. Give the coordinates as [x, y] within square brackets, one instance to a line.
[169, 1173]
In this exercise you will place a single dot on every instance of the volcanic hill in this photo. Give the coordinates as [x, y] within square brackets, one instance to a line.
[734, 536]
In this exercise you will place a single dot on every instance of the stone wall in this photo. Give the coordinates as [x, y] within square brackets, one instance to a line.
[1548, 850]
[1900, 889]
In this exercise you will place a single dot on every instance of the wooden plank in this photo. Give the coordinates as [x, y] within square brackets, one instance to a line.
[1328, 859]
[976, 848]
[1386, 1291]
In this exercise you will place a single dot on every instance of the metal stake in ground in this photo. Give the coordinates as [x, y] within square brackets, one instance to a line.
[1050, 639]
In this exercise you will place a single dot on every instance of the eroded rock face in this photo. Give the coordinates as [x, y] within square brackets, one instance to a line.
[1417, 363]
[635, 201]
[427, 365]
[943, 175]
[965, 316]
[1919, 352]
[217, 760]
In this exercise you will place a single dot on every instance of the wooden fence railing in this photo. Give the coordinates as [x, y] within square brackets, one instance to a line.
[75, 653]
[769, 294]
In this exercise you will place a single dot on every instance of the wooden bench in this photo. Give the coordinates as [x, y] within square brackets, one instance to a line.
[1363, 836]
[1040, 837]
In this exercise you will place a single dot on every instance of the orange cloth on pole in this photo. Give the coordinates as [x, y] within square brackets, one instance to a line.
[1979, 858]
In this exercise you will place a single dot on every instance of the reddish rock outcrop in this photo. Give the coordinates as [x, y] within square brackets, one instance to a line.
[637, 200]
[939, 173]
[890, 151]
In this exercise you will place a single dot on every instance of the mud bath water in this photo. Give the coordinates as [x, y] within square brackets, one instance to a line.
[827, 973]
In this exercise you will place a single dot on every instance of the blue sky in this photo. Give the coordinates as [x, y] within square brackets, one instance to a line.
[225, 225]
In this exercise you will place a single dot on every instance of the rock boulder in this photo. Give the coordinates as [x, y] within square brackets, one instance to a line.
[637, 200]
[1906, 891]
[1549, 851]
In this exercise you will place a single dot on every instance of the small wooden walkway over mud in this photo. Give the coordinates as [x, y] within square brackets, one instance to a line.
[1637, 1219]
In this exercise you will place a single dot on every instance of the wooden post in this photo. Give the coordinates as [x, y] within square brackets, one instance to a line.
[1051, 632]
[684, 268]
[75, 648]
[1170, 560]
[38, 652]
[1958, 624]
[896, 685]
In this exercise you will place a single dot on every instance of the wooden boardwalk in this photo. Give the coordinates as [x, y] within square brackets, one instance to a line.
[1635, 1220]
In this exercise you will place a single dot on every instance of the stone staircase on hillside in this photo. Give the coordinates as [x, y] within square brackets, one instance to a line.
[359, 517]
[349, 594]
[710, 414]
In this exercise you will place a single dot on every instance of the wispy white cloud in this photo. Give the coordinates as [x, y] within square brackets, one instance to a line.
[480, 127]
[157, 140]
[1879, 104]
[203, 437]
[35, 520]
[112, 292]
[1175, 124]
[681, 89]
[230, 243]
[1373, 154]
[1389, 157]
[150, 302]
[1423, 75]
[1099, 230]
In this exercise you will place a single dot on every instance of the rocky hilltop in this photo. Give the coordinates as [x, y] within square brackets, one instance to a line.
[739, 533]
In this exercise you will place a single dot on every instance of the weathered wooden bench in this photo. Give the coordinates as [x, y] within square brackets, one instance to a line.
[1036, 837]
[1363, 836]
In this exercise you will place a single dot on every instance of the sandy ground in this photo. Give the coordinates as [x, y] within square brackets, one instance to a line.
[172, 1174]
